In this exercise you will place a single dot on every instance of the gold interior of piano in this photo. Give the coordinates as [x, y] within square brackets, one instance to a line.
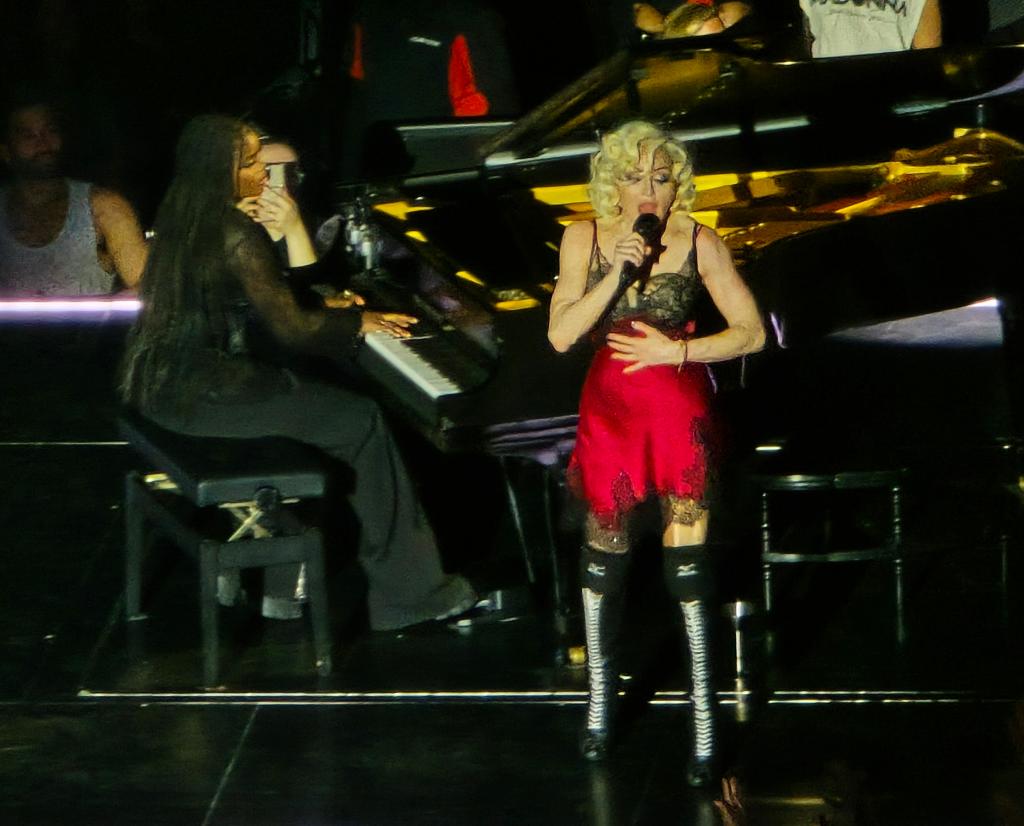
[754, 209]
[751, 210]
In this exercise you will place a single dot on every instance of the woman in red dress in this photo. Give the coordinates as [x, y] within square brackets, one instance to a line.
[645, 422]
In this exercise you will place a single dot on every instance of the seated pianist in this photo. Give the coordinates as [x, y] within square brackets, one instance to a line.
[188, 367]
[315, 270]
[59, 236]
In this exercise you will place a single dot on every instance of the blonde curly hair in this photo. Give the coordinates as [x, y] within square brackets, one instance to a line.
[621, 150]
[686, 20]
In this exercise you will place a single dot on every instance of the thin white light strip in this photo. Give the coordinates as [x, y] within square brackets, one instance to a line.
[63, 444]
[917, 107]
[565, 697]
[574, 150]
[685, 135]
[985, 302]
[873, 692]
[778, 329]
[43, 306]
[707, 133]
[780, 124]
[455, 128]
[215, 700]
[569, 151]
[377, 696]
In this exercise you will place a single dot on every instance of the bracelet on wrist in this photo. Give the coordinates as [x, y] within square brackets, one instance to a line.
[682, 341]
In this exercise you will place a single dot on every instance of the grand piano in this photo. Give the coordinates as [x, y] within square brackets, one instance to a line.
[864, 199]
[869, 202]
[851, 191]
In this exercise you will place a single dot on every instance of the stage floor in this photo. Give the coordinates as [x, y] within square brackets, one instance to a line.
[106, 723]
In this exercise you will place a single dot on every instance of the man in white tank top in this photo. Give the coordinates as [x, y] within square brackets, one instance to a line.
[58, 236]
[849, 27]
[1006, 20]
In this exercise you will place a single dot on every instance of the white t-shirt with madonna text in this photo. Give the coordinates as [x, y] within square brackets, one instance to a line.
[849, 27]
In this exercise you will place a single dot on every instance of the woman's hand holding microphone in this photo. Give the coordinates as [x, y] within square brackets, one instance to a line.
[628, 256]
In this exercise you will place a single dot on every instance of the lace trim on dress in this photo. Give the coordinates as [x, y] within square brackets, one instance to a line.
[681, 511]
[608, 538]
[686, 503]
[667, 302]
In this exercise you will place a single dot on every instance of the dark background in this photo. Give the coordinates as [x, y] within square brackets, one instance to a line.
[129, 73]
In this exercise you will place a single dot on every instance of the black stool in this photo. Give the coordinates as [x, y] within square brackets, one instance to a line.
[545, 443]
[248, 478]
[888, 482]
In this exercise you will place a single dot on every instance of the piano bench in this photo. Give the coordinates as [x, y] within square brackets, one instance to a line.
[250, 480]
[830, 486]
[544, 444]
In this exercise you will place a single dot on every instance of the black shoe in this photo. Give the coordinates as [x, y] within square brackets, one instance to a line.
[700, 772]
[595, 744]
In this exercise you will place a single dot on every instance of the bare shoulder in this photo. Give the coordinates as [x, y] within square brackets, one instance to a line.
[681, 225]
[714, 259]
[109, 205]
[709, 242]
[578, 235]
[680, 222]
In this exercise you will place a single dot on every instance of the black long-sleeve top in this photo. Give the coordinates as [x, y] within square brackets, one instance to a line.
[209, 358]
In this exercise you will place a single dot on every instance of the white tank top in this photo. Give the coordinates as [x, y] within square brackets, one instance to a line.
[852, 27]
[65, 266]
[1004, 12]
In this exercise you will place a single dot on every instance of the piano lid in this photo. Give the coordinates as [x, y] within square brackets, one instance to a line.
[974, 326]
[708, 89]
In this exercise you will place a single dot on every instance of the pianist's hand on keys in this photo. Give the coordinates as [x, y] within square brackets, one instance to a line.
[394, 324]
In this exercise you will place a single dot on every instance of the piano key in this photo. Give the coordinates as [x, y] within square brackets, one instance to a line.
[409, 359]
[443, 354]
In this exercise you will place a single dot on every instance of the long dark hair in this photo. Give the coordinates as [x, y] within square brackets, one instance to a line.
[182, 288]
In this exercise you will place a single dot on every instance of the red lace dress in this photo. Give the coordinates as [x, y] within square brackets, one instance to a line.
[646, 433]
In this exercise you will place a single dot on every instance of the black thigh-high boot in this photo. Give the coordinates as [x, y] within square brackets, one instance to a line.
[688, 577]
[603, 579]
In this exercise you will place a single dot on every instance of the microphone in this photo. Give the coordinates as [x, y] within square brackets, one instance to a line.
[648, 226]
